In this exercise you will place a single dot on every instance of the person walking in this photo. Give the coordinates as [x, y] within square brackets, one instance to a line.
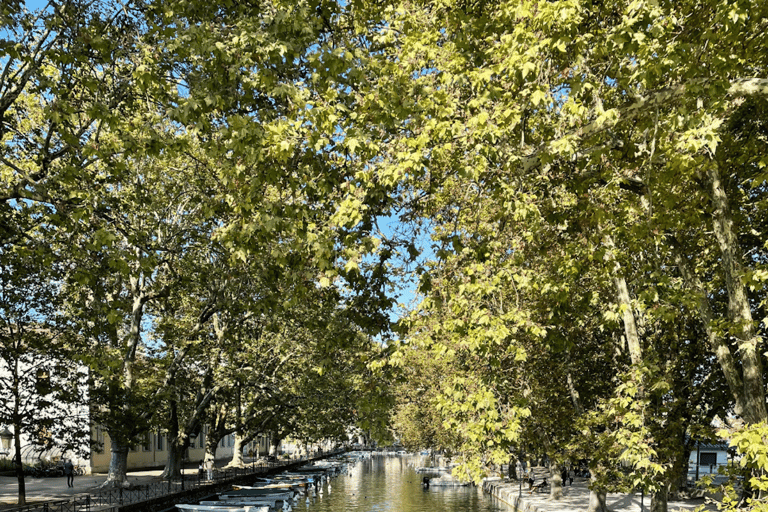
[69, 472]
[209, 468]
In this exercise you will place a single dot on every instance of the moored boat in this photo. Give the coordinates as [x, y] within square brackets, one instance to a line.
[224, 508]
[247, 503]
[251, 493]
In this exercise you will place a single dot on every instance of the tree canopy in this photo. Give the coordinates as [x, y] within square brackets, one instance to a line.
[576, 187]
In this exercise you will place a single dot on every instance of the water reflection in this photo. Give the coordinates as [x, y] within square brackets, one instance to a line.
[390, 484]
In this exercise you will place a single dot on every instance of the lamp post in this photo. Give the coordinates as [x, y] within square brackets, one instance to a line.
[6, 436]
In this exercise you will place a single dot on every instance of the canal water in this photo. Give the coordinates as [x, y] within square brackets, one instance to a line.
[386, 483]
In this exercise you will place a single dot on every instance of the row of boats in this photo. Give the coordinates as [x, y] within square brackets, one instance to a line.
[277, 493]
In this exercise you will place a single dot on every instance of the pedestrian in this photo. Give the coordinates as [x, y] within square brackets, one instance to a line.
[69, 472]
[209, 468]
[530, 479]
[200, 470]
[563, 475]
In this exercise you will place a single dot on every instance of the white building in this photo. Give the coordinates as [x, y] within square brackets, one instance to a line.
[706, 459]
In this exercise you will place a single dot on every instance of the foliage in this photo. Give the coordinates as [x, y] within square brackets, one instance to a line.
[577, 186]
[43, 386]
[747, 483]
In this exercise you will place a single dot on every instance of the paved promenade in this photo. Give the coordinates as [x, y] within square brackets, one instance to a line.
[576, 499]
[46, 489]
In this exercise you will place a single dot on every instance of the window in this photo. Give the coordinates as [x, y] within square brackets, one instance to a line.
[159, 442]
[707, 459]
[98, 439]
[201, 437]
[147, 445]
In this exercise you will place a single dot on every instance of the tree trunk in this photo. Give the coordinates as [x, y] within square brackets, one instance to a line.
[742, 326]
[555, 481]
[678, 473]
[237, 453]
[17, 422]
[596, 496]
[118, 467]
[18, 465]
[659, 500]
[118, 464]
[625, 307]
[274, 443]
[177, 443]
[716, 343]
[175, 460]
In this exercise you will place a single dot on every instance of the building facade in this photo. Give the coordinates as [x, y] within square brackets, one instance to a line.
[153, 452]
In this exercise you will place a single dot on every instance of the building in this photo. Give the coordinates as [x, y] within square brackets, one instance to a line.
[706, 459]
[153, 452]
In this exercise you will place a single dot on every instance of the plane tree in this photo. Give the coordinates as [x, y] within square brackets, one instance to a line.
[66, 73]
[509, 102]
[43, 388]
[125, 257]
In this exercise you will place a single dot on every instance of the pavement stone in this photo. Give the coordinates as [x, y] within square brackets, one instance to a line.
[576, 499]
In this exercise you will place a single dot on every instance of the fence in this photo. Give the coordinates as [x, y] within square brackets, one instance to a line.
[110, 500]
[696, 472]
[76, 504]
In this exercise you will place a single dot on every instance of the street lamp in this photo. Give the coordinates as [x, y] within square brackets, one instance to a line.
[5, 438]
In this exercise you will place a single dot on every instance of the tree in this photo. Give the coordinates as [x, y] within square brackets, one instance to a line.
[510, 103]
[125, 258]
[44, 389]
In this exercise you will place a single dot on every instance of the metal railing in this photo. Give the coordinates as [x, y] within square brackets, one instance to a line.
[109, 500]
[76, 504]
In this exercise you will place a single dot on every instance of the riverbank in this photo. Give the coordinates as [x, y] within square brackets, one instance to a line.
[576, 499]
[40, 491]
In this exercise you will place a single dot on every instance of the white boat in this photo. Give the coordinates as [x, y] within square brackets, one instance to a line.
[235, 495]
[266, 502]
[275, 484]
[209, 508]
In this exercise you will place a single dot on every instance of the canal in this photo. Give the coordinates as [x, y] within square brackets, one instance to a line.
[390, 484]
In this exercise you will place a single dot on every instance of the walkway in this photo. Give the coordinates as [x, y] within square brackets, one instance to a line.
[47, 489]
[576, 499]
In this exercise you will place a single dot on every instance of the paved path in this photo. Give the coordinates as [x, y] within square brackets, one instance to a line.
[576, 499]
[46, 489]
